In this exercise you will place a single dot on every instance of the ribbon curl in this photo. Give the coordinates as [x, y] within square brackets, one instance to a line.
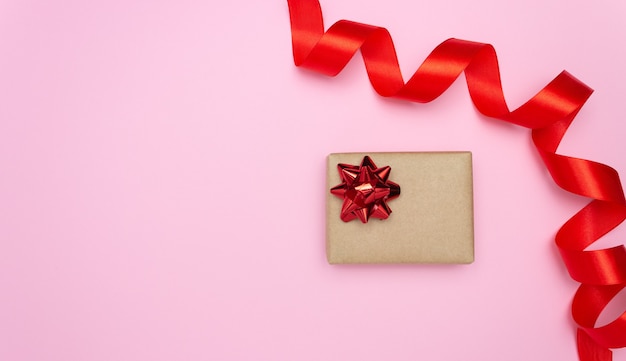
[602, 273]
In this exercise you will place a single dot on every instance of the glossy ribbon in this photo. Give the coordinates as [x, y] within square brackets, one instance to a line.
[602, 273]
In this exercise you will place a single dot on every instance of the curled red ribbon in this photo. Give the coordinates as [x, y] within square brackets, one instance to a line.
[602, 273]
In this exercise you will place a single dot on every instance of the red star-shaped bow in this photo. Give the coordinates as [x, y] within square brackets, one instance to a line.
[365, 190]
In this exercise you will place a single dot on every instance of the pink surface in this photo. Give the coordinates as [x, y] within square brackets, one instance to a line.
[162, 183]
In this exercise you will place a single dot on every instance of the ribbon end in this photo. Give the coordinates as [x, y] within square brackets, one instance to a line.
[589, 350]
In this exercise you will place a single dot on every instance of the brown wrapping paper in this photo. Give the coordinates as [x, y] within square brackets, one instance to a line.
[431, 220]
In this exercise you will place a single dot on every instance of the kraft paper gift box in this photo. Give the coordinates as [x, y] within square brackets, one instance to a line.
[431, 220]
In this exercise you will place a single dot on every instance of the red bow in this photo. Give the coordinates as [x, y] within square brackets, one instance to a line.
[365, 190]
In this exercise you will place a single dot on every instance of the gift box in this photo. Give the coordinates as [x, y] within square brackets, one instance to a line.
[428, 219]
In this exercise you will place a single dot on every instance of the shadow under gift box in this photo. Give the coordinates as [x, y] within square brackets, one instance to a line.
[432, 221]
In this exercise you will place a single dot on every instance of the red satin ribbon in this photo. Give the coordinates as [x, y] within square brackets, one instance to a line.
[602, 273]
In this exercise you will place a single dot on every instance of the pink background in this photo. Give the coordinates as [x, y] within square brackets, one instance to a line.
[162, 183]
